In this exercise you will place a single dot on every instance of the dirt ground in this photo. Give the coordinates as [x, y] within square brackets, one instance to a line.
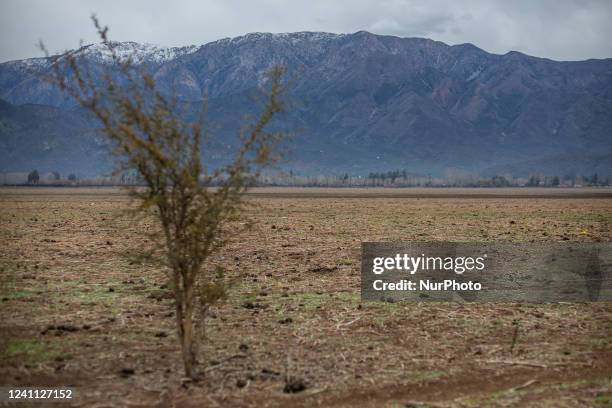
[84, 304]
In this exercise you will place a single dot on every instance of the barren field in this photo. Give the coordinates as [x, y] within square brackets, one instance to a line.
[85, 304]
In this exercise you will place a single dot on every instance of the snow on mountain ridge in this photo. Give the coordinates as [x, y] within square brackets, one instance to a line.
[156, 54]
[99, 52]
[139, 52]
[152, 53]
[287, 37]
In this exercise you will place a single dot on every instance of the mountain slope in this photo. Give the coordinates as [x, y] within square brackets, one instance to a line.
[48, 138]
[363, 102]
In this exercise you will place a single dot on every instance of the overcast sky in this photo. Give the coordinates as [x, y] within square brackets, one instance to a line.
[557, 29]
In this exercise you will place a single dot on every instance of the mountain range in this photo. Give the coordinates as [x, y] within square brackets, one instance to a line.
[358, 103]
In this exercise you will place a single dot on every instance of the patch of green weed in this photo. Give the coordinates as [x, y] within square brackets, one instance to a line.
[30, 351]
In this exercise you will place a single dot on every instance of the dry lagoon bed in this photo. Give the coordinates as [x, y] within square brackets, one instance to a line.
[83, 303]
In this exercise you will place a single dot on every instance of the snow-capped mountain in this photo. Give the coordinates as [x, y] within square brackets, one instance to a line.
[361, 102]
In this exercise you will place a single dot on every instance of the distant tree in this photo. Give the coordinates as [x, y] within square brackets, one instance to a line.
[555, 181]
[533, 181]
[153, 140]
[72, 177]
[499, 181]
[594, 179]
[428, 183]
[393, 175]
[33, 177]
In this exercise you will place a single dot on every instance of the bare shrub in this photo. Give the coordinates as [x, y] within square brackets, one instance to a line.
[151, 138]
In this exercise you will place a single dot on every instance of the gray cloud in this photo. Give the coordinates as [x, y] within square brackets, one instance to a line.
[561, 29]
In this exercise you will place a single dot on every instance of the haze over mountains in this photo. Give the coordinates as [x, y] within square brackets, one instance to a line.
[360, 103]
